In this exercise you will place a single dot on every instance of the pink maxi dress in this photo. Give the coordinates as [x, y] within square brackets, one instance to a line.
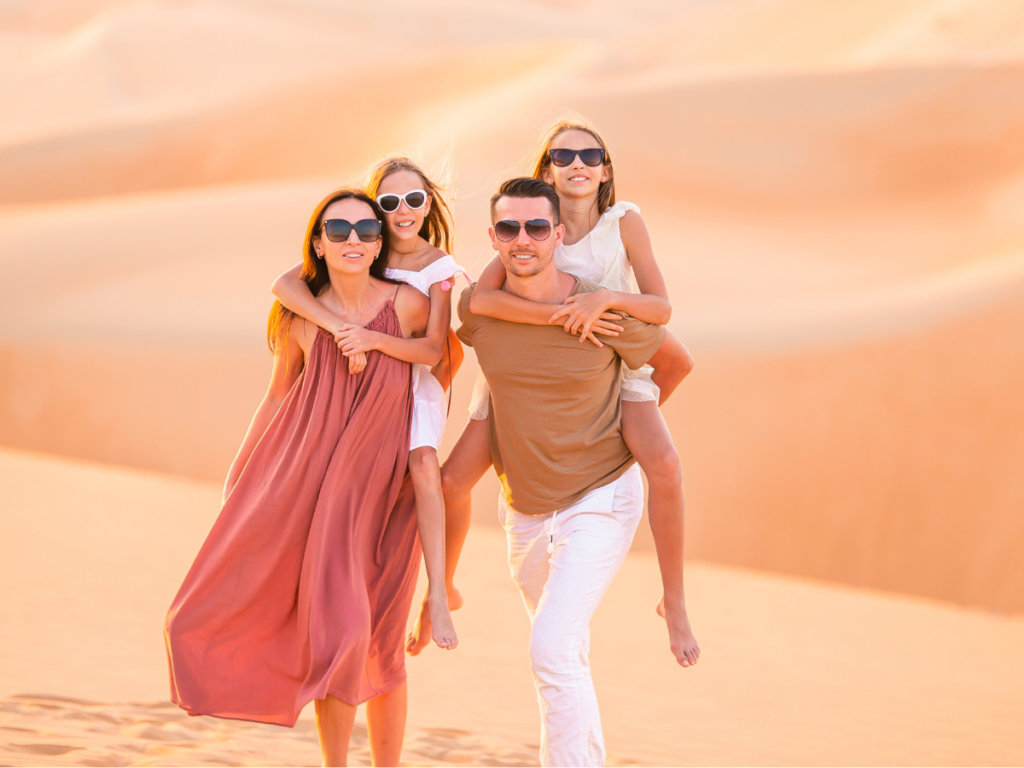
[304, 584]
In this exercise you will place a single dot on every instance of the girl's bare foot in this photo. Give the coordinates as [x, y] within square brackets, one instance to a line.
[442, 628]
[422, 632]
[680, 636]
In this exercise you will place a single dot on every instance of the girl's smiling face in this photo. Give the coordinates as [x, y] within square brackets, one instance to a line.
[576, 180]
[404, 224]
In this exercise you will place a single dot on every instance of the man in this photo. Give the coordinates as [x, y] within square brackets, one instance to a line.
[571, 494]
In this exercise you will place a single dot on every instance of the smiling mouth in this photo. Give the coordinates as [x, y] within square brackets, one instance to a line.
[352, 255]
[578, 178]
[523, 256]
[405, 224]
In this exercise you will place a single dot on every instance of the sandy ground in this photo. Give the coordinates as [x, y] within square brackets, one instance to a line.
[793, 671]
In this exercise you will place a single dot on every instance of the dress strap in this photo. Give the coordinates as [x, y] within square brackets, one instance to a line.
[393, 298]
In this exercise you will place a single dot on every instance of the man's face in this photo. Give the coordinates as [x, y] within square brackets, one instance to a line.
[523, 255]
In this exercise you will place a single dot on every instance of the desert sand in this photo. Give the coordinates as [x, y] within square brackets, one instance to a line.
[835, 192]
[793, 671]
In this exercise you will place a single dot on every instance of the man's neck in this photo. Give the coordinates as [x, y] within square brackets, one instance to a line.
[547, 287]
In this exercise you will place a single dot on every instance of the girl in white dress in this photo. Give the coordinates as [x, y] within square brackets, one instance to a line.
[419, 227]
[606, 243]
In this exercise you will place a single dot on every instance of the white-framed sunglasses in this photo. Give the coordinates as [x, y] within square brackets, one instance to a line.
[414, 198]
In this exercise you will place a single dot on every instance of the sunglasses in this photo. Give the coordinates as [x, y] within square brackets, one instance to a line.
[537, 229]
[414, 198]
[338, 230]
[563, 157]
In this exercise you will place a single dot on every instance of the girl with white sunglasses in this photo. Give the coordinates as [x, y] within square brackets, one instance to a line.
[420, 233]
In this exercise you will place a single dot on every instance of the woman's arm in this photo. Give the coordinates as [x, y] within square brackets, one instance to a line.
[288, 364]
[651, 305]
[291, 290]
[423, 343]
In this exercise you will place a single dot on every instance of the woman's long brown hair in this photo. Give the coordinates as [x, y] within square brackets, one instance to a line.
[606, 190]
[437, 225]
[314, 269]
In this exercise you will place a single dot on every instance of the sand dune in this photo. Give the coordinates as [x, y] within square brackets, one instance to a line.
[793, 671]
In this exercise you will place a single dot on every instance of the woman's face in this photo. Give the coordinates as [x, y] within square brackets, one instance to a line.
[576, 180]
[405, 222]
[351, 256]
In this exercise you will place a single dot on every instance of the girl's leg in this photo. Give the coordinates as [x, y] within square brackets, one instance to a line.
[646, 433]
[385, 722]
[334, 720]
[466, 464]
[426, 483]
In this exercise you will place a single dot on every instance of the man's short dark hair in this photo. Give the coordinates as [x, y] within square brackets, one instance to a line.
[528, 187]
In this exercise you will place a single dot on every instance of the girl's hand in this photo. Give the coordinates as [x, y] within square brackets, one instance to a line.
[356, 363]
[352, 339]
[579, 312]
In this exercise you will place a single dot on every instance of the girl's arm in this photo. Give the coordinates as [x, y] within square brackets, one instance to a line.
[488, 299]
[451, 360]
[651, 305]
[288, 364]
[291, 290]
[423, 342]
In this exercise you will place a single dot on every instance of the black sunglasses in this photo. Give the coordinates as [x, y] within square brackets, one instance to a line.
[563, 157]
[338, 230]
[538, 229]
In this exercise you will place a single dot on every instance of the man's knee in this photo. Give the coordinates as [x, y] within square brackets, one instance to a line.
[551, 653]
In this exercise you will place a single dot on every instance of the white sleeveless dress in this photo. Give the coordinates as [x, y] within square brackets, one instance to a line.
[429, 410]
[599, 257]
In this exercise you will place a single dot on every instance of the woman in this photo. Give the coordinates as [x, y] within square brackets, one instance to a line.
[419, 235]
[604, 242]
[303, 586]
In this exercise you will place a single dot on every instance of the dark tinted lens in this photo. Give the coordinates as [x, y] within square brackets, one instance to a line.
[561, 157]
[538, 229]
[415, 200]
[506, 230]
[592, 157]
[368, 230]
[389, 203]
[337, 230]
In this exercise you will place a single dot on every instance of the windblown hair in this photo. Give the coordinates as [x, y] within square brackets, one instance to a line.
[314, 269]
[437, 226]
[525, 187]
[606, 190]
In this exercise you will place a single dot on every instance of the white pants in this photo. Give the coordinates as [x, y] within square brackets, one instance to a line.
[561, 591]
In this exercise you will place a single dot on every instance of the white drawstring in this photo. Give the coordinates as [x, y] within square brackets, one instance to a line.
[551, 533]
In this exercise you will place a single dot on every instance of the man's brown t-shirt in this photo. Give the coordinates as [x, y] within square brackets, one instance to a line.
[555, 412]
